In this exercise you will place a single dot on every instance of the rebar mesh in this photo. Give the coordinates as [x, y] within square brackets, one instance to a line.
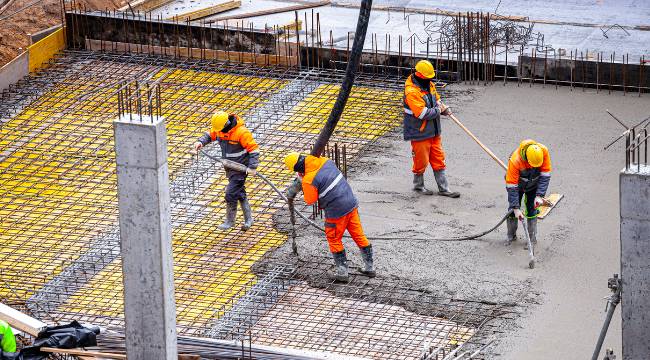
[58, 209]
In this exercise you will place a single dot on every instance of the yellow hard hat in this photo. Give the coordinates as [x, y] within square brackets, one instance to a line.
[425, 69]
[291, 159]
[219, 120]
[534, 155]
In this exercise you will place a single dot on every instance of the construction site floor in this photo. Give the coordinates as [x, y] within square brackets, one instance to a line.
[578, 242]
[60, 253]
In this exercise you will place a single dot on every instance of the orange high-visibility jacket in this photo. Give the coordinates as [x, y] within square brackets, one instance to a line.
[421, 111]
[324, 182]
[522, 177]
[237, 144]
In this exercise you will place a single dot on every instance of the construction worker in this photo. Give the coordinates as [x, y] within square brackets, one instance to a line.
[237, 144]
[422, 110]
[528, 176]
[322, 181]
[7, 339]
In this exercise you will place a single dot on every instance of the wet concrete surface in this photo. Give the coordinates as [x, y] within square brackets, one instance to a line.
[578, 243]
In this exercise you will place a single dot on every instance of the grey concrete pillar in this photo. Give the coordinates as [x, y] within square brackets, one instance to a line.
[635, 262]
[145, 238]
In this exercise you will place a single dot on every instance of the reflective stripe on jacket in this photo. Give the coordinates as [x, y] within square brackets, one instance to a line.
[236, 145]
[521, 177]
[421, 112]
[323, 182]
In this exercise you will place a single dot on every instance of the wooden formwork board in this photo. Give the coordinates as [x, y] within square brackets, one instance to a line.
[145, 5]
[208, 11]
[196, 53]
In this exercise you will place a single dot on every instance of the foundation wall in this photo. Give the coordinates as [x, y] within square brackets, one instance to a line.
[138, 30]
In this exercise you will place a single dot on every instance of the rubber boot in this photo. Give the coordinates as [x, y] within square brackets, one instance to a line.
[532, 231]
[248, 215]
[418, 185]
[368, 267]
[443, 185]
[341, 262]
[511, 223]
[231, 214]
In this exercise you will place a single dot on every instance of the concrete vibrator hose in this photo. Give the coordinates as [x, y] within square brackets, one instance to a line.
[239, 167]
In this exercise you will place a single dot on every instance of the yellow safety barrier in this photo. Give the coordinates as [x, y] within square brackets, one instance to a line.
[43, 50]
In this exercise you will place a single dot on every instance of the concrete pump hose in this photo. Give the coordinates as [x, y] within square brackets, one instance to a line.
[239, 167]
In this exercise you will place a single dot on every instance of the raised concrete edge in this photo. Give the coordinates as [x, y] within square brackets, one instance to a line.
[14, 70]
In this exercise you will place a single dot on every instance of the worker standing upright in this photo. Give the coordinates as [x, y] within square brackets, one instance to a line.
[322, 181]
[527, 177]
[238, 145]
[7, 338]
[422, 110]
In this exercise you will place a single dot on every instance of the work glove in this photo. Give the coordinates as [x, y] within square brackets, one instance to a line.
[294, 188]
[251, 172]
[518, 214]
[444, 109]
[197, 146]
[539, 201]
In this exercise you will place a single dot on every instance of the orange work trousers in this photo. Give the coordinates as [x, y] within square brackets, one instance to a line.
[427, 151]
[335, 228]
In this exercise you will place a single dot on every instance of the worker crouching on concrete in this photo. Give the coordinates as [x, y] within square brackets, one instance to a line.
[422, 109]
[238, 145]
[7, 339]
[528, 176]
[323, 182]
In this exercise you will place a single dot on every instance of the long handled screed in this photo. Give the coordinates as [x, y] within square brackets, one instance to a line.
[550, 201]
[485, 148]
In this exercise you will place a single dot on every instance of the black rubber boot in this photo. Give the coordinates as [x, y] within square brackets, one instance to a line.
[341, 262]
[248, 214]
[418, 185]
[443, 185]
[231, 215]
[368, 266]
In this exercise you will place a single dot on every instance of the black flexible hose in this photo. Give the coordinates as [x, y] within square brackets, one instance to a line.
[350, 72]
[239, 167]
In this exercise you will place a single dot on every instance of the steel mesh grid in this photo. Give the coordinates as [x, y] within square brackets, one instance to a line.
[211, 276]
[211, 268]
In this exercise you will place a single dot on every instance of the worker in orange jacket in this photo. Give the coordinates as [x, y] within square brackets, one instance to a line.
[528, 175]
[322, 181]
[422, 110]
[238, 145]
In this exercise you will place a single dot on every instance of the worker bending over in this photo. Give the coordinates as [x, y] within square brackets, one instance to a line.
[529, 173]
[323, 182]
[7, 339]
[422, 109]
[238, 145]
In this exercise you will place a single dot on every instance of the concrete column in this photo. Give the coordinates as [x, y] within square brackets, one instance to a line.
[145, 238]
[635, 262]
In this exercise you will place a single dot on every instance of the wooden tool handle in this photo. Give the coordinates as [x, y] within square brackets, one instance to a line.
[485, 148]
